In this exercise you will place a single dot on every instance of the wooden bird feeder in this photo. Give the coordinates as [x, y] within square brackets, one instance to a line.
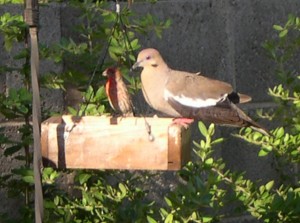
[102, 142]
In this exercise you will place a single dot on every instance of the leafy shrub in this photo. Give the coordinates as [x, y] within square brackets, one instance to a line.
[112, 42]
[207, 187]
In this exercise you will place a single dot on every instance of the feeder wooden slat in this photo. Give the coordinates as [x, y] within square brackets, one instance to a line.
[102, 142]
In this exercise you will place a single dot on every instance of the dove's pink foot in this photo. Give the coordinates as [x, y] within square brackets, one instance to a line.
[183, 121]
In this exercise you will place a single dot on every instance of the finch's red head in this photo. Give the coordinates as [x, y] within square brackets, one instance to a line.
[112, 72]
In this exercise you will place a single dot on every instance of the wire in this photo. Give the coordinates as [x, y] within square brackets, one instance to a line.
[126, 38]
[128, 51]
[99, 65]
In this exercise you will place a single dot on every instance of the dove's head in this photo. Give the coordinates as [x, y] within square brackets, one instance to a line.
[149, 58]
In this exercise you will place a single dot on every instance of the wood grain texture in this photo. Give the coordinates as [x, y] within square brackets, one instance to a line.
[105, 142]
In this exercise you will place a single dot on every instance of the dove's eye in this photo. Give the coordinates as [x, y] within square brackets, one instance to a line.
[148, 57]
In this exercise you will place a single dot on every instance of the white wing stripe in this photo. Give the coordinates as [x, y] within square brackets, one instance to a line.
[197, 103]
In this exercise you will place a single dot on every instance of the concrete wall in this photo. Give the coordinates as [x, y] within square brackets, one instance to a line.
[221, 38]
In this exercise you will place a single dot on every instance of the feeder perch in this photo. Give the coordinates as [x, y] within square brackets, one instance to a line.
[104, 142]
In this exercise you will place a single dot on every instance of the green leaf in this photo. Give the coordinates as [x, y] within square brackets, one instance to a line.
[194, 216]
[268, 148]
[211, 129]
[100, 94]
[54, 175]
[12, 150]
[209, 161]
[202, 128]
[207, 219]
[116, 49]
[163, 212]
[47, 170]
[269, 185]
[135, 44]
[84, 177]
[263, 153]
[11, 1]
[72, 111]
[202, 144]
[49, 204]
[261, 189]
[283, 33]
[150, 219]
[297, 21]
[216, 141]
[169, 218]
[28, 179]
[168, 23]
[23, 171]
[280, 132]
[277, 27]
[56, 200]
[123, 189]
[113, 56]
[168, 201]
[256, 135]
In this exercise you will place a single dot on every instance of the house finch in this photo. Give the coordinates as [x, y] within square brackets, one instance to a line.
[190, 96]
[117, 93]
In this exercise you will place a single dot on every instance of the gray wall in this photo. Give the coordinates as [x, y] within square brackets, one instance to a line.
[221, 38]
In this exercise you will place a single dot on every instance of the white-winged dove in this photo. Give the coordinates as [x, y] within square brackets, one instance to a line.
[117, 93]
[182, 94]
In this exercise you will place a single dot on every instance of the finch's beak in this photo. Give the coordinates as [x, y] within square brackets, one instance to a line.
[104, 73]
